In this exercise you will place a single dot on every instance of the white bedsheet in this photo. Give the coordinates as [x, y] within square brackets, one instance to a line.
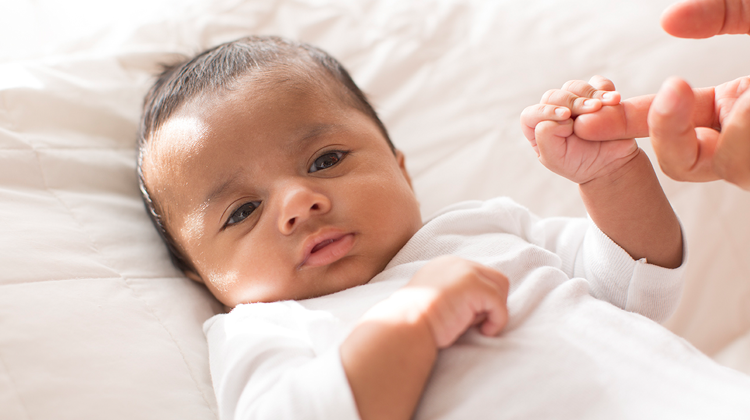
[95, 322]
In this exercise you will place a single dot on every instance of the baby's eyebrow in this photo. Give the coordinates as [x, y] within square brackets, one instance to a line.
[220, 189]
[308, 134]
[317, 130]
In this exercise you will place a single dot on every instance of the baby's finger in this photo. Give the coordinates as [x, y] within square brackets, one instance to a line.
[533, 115]
[494, 321]
[578, 105]
[495, 277]
[602, 83]
[548, 130]
[605, 87]
[599, 89]
[551, 142]
[495, 316]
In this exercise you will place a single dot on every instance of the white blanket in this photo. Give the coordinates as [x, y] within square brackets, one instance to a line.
[94, 320]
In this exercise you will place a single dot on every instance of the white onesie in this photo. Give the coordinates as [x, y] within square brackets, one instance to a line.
[578, 344]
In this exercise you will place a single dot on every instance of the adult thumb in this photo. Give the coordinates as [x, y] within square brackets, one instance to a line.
[671, 130]
[732, 157]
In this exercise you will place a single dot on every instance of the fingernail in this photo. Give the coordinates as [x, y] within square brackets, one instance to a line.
[607, 96]
[560, 112]
[666, 100]
[589, 103]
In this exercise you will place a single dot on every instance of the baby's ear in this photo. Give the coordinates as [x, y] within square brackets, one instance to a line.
[401, 159]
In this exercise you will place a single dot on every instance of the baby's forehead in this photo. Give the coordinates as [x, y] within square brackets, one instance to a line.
[306, 77]
[193, 128]
[209, 112]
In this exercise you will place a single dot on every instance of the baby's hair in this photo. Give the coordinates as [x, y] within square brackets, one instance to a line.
[219, 69]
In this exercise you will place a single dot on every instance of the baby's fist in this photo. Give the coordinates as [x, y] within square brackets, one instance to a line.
[453, 294]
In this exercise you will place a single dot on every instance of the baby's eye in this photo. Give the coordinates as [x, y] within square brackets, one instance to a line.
[327, 160]
[242, 213]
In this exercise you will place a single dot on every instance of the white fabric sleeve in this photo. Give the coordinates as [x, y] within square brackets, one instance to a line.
[265, 364]
[635, 286]
[613, 276]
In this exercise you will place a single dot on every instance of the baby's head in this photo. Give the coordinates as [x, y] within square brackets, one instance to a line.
[269, 175]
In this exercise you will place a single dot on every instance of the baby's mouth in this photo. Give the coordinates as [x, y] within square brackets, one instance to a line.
[328, 249]
[321, 245]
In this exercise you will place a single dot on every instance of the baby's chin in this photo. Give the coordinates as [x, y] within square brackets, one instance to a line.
[359, 278]
[349, 274]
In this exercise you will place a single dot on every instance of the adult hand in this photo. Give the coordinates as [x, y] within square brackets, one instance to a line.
[706, 18]
[719, 150]
[703, 154]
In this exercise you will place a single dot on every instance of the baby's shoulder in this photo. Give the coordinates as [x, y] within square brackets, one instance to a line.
[500, 214]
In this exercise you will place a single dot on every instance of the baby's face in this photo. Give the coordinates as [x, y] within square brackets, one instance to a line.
[282, 193]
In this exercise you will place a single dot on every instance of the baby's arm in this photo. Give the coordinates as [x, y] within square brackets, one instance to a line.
[616, 180]
[389, 355]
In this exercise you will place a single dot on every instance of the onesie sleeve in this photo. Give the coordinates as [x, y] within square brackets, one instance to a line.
[581, 250]
[265, 364]
[633, 285]
[612, 274]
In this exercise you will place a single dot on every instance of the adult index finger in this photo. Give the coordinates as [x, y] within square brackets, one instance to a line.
[706, 18]
[627, 120]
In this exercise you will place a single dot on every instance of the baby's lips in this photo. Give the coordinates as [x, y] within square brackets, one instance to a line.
[326, 247]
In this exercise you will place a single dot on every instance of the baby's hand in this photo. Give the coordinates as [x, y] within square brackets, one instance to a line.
[448, 296]
[549, 127]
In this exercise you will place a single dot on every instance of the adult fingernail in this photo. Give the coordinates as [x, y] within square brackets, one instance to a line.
[666, 100]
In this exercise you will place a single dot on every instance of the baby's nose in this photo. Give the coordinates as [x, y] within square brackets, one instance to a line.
[299, 204]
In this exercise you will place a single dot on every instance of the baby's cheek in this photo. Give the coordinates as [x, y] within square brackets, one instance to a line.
[224, 283]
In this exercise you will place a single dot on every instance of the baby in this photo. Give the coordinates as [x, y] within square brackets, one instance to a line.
[273, 182]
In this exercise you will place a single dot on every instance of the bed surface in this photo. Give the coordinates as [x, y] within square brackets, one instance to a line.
[94, 320]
